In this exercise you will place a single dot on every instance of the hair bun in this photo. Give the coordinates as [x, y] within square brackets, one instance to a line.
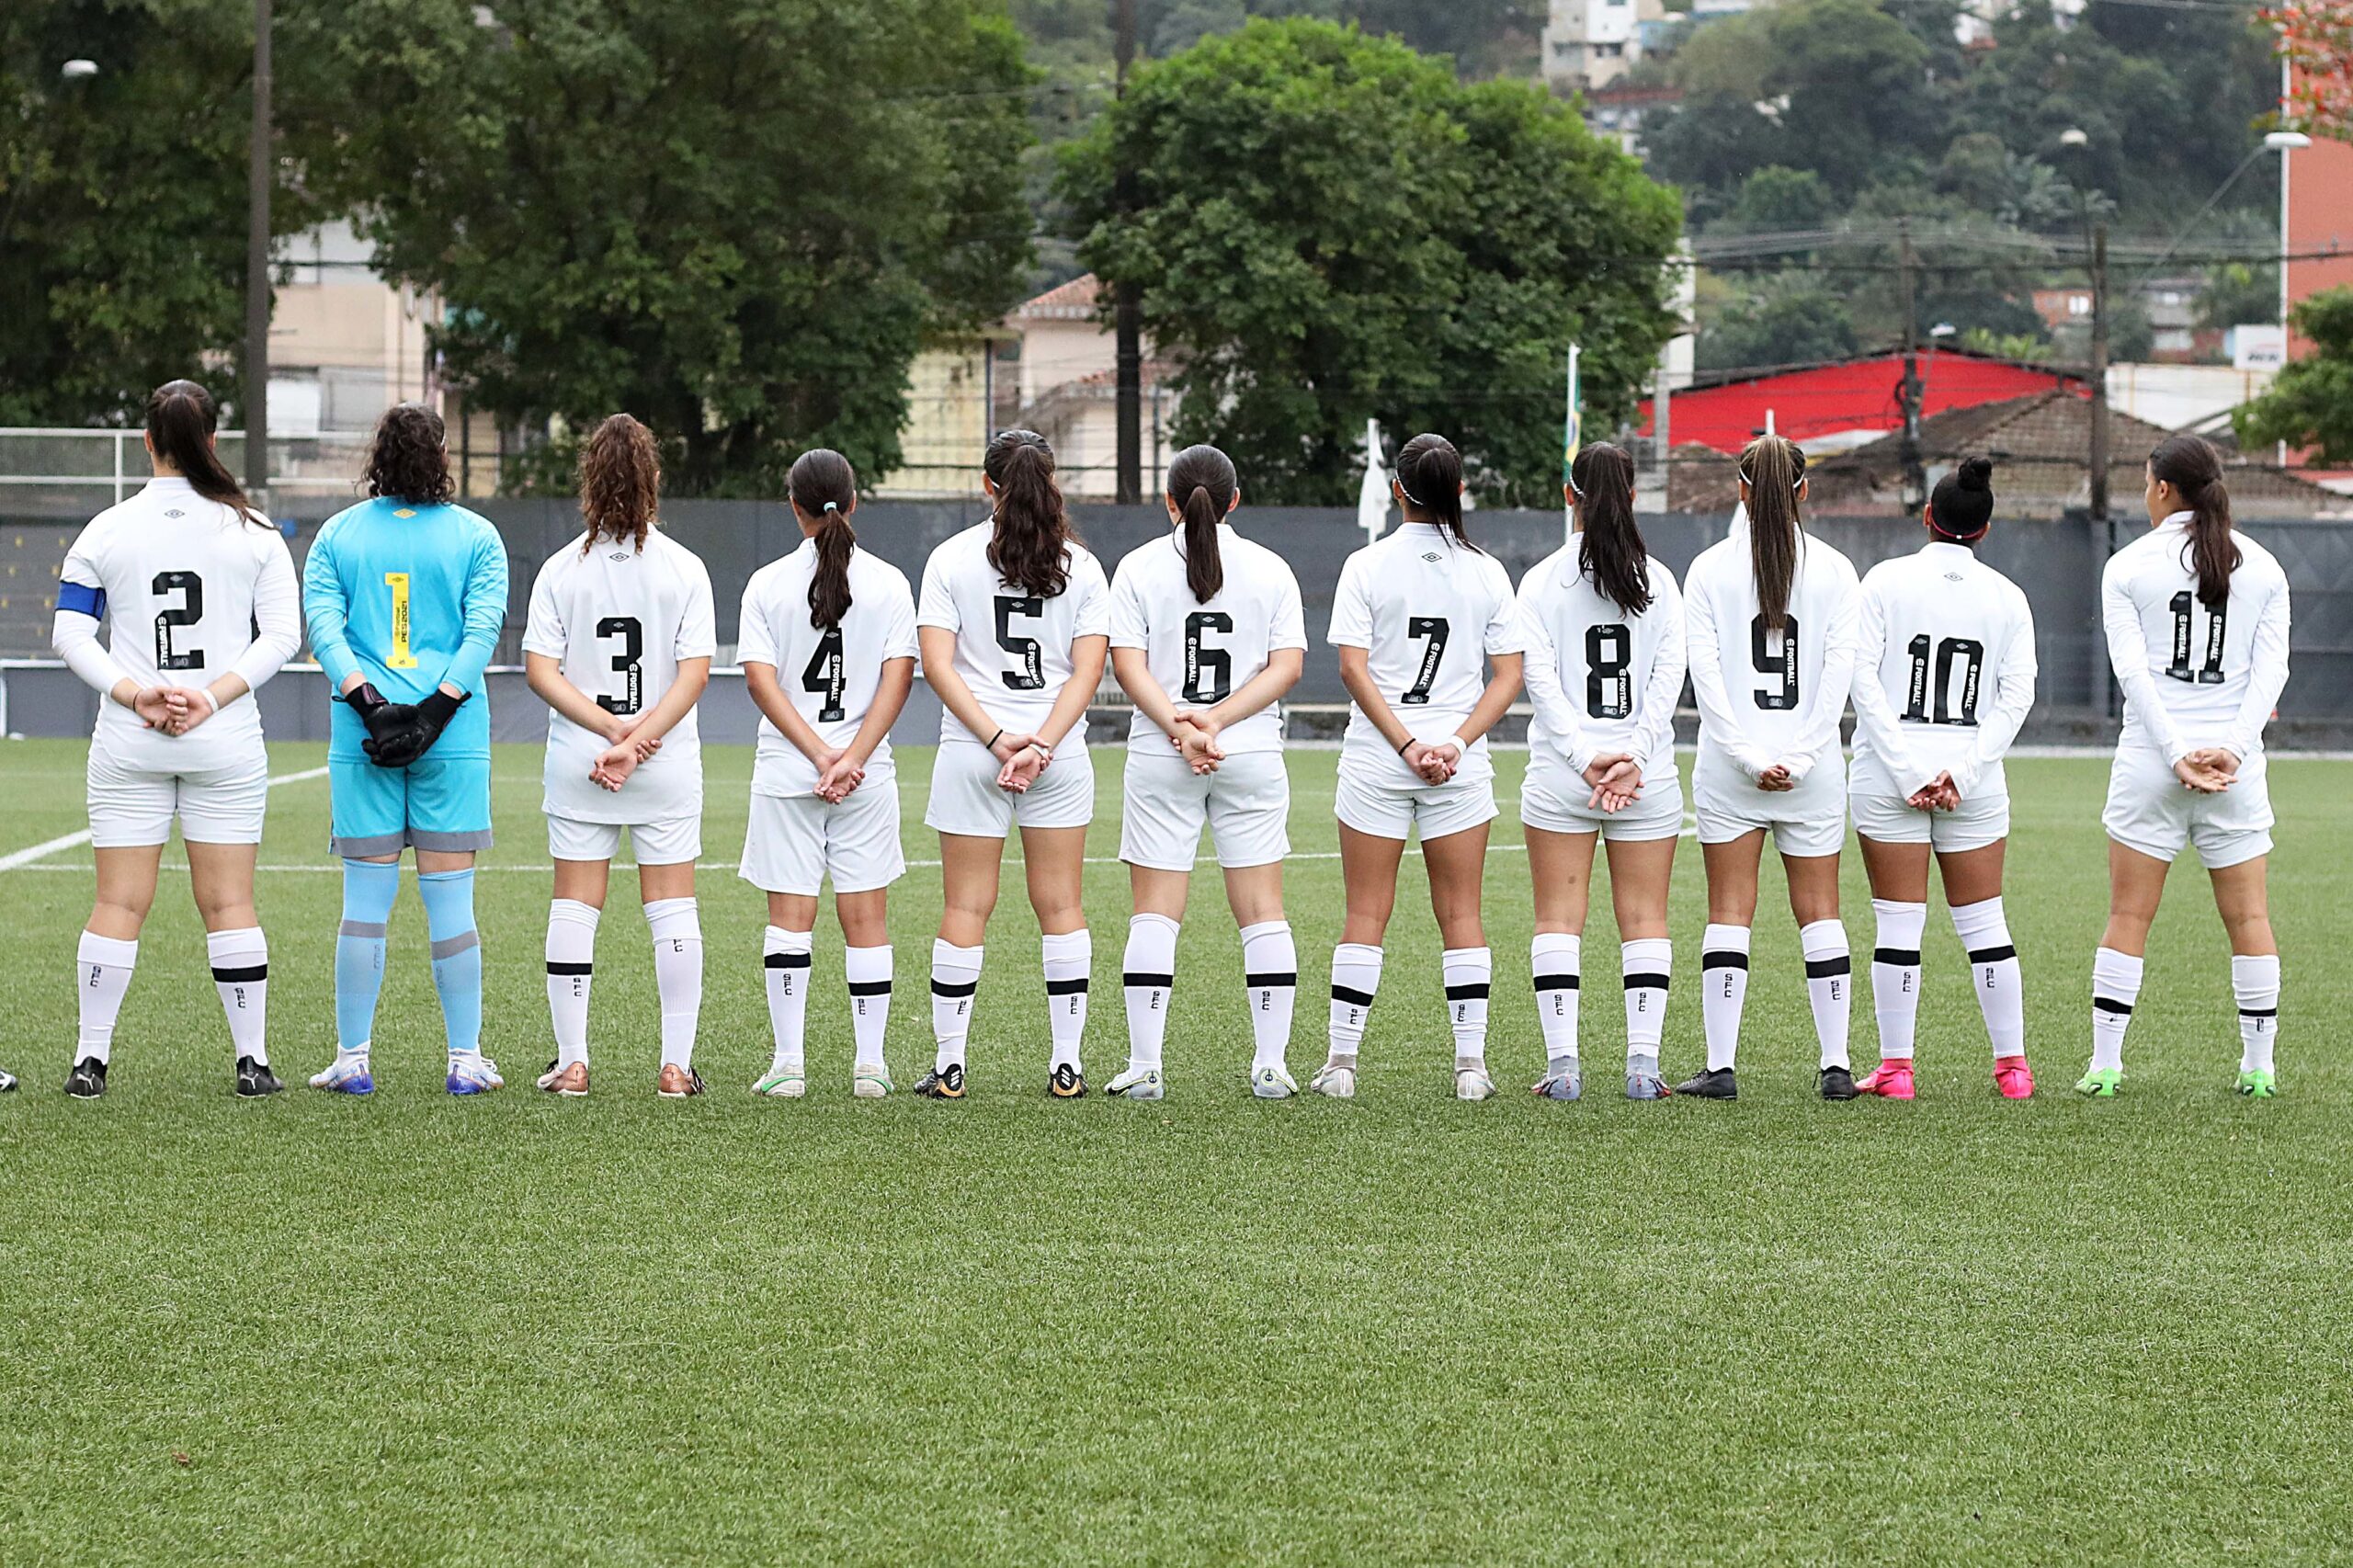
[1975, 474]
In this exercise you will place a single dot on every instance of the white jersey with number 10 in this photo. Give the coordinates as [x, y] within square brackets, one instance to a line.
[1945, 675]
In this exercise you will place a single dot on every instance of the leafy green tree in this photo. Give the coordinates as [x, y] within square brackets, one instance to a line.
[2310, 404]
[1328, 227]
[740, 222]
[1777, 198]
[2238, 293]
[1790, 319]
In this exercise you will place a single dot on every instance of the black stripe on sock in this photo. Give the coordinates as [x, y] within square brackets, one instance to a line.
[1906, 957]
[1825, 969]
[869, 988]
[2110, 1004]
[1556, 983]
[554, 968]
[954, 988]
[1272, 981]
[241, 976]
[2244, 1012]
[1992, 955]
[786, 961]
[1726, 960]
[1646, 982]
[1160, 982]
[1066, 987]
[1351, 995]
[1477, 991]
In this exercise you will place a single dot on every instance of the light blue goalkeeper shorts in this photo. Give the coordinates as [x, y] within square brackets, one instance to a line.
[436, 802]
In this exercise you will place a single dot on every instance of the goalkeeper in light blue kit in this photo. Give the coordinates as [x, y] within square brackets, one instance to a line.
[404, 595]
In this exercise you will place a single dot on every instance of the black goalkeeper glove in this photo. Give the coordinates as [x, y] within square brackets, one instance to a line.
[386, 721]
[425, 723]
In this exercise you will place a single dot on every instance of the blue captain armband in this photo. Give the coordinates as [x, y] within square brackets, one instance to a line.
[82, 599]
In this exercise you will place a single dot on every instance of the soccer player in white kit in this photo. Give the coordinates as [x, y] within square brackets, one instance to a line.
[2196, 622]
[1014, 619]
[619, 646]
[1943, 679]
[1771, 614]
[197, 594]
[1603, 622]
[1417, 617]
[827, 642]
[1206, 635]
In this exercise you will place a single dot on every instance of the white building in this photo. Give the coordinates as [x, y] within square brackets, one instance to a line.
[1589, 43]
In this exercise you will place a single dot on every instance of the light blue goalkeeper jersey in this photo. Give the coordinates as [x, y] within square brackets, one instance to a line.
[411, 596]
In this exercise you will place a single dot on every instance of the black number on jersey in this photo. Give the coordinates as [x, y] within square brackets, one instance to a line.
[1915, 706]
[2182, 604]
[1031, 675]
[1783, 665]
[825, 676]
[633, 635]
[1209, 672]
[1436, 629]
[190, 611]
[1609, 658]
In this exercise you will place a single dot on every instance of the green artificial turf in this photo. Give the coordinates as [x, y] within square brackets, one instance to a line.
[621, 1329]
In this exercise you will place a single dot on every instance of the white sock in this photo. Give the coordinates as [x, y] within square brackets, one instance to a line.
[784, 955]
[1356, 979]
[105, 975]
[1994, 971]
[1648, 963]
[1828, 969]
[1895, 975]
[2256, 983]
[1469, 974]
[1554, 957]
[2116, 985]
[955, 977]
[1148, 975]
[240, 974]
[572, 962]
[1070, 963]
[1723, 990]
[1270, 975]
[867, 971]
[677, 975]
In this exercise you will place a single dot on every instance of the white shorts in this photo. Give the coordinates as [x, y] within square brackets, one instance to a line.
[1387, 807]
[676, 842]
[1552, 799]
[794, 842]
[132, 807]
[1806, 822]
[2153, 812]
[1245, 803]
[965, 800]
[1889, 819]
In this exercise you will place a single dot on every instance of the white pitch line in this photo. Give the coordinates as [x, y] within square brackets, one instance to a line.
[23, 859]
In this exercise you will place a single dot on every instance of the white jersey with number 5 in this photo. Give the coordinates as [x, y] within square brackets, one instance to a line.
[621, 619]
[1202, 653]
[1945, 675]
[1012, 648]
[829, 674]
[1428, 610]
[1770, 696]
[2193, 676]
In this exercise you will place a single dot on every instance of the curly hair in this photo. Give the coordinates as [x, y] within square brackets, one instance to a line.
[620, 481]
[1029, 548]
[409, 459]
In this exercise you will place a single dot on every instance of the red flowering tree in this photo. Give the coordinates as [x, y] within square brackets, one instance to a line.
[2316, 37]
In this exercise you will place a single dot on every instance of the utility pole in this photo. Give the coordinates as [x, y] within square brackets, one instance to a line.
[1128, 300]
[2099, 384]
[1916, 476]
[254, 391]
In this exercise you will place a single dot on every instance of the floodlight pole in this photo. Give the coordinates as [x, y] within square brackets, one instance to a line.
[1127, 319]
[253, 390]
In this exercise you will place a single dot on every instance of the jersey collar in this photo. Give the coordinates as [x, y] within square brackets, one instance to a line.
[2177, 520]
[171, 484]
[1943, 549]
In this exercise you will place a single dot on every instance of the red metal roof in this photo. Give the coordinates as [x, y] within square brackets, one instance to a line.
[1811, 401]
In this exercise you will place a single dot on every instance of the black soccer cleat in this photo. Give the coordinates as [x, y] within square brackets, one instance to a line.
[8, 1082]
[1714, 1084]
[1067, 1083]
[255, 1079]
[88, 1079]
[938, 1084]
[1836, 1083]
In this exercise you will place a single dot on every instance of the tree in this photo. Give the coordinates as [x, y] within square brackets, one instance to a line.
[2311, 403]
[739, 222]
[1329, 228]
[1788, 319]
[2316, 37]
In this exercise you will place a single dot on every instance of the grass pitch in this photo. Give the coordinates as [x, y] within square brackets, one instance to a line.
[414, 1329]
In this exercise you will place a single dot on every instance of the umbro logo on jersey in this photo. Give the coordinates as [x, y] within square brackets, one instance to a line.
[1952, 576]
[1432, 556]
[406, 512]
[175, 512]
[618, 555]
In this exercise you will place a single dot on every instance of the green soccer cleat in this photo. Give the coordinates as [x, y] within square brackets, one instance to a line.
[2100, 1082]
[2258, 1084]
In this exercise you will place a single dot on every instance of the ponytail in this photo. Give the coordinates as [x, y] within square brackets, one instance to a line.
[1430, 474]
[824, 489]
[620, 483]
[1201, 482]
[181, 417]
[1772, 467]
[2191, 466]
[1030, 544]
[1610, 554]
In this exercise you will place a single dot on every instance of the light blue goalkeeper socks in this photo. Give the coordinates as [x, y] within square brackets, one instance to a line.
[456, 954]
[369, 889]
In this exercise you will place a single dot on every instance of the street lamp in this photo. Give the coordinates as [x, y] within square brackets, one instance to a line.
[78, 70]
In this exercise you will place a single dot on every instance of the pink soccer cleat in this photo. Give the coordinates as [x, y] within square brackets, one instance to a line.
[1891, 1080]
[2014, 1077]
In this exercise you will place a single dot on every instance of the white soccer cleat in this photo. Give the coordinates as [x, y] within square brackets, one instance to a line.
[1272, 1084]
[871, 1084]
[1138, 1084]
[782, 1083]
[349, 1073]
[1472, 1083]
[471, 1073]
[1337, 1082]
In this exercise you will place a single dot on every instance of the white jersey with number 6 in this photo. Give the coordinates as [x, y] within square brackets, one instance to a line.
[1944, 677]
[830, 675]
[1428, 610]
[1012, 648]
[1201, 654]
[621, 619]
[2193, 676]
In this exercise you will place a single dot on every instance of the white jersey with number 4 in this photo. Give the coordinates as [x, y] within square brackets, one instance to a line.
[1201, 654]
[1012, 648]
[1428, 610]
[181, 583]
[2193, 676]
[620, 619]
[1944, 677]
[830, 675]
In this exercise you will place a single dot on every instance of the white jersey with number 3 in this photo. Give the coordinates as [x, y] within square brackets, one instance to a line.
[1428, 610]
[621, 619]
[830, 675]
[2193, 676]
[1944, 675]
[1012, 648]
[1202, 653]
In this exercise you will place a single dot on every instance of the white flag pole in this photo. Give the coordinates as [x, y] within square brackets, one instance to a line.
[1372, 494]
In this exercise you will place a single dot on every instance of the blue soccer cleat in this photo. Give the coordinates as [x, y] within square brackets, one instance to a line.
[473, 1075]
[347, 1075]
